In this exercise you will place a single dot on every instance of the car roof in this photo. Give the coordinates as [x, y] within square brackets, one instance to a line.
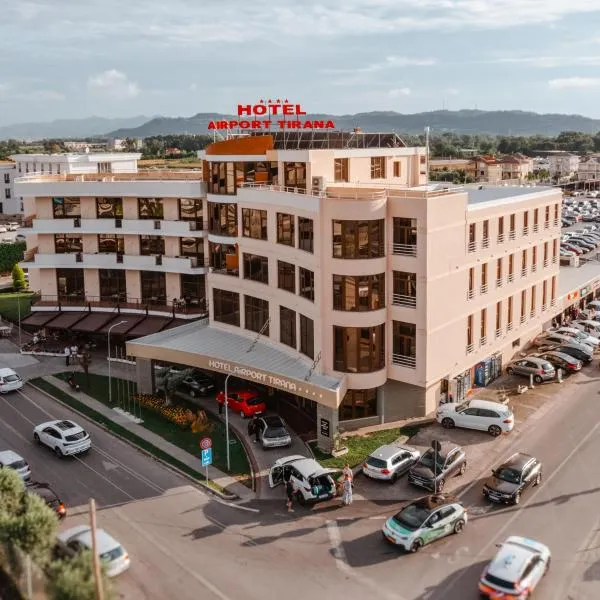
[558, 354]
[83, 534]
[476, 403]
[389, 450]
[535, 359]
[513, 556]
[518, 460]
[446, 447]
[43, 490]
[63, 425]
[273, 421]
[9, 456]
[569, 329]
[6, 371]
[306, 466]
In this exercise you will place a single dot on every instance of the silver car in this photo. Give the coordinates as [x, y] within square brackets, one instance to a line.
[389, 462]
[12, 460]
[273, 432]
[541, 369]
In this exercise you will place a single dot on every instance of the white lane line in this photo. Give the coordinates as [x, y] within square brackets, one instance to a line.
[232, 505]
[378, 518]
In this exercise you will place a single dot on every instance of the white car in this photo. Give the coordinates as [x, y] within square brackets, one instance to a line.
[72, 541]
[516, 570]
[579, 336]
[390, 462]
[12, 460]
[493, 417]
[587, 325]
[3, 229]
[64, 437]
[20, 237]
[9, 381]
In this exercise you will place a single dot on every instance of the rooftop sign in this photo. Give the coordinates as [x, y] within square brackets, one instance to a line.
[271, 114]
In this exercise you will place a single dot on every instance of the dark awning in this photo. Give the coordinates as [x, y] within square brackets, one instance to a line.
[177, 323]
[39, 318]
[66, 320]
[149, 325]
[130, 322]
[93, 322]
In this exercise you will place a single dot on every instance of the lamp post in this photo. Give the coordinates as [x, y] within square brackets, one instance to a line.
[227, 423]
[109, 379]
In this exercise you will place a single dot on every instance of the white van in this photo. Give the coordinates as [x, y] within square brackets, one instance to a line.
[10, 381]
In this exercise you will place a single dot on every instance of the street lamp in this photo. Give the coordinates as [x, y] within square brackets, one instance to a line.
[109, 379]
[227, 423]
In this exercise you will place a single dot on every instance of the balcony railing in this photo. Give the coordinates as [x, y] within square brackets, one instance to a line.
[401, 300]
[485, 242]
[544, 307]
[472, 246]
[470, 348]
[499, 282]
[554, 260]
[536, 228]
[524, 272]
[546, 263]
[483, 340]
[533, 268]
[512, 234]
[498, 332]
[522, 319]
[400, 360]
[484, 288]
[532, 314]
[500, 238]
[555, 222]
[511, 277]
[525, 230]
[509, 326]
[470, 294]
[404, 249]
[546, 224]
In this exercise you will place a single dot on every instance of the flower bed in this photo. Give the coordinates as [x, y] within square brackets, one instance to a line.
[176, 414]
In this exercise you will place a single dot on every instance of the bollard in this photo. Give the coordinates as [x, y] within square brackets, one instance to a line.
[559, 375]
[530, 381]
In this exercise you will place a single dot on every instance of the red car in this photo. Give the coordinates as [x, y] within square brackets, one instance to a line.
[245, 402]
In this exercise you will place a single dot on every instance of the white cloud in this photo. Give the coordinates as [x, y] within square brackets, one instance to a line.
[390, 62]
[398, 92]
[548, 61]
[574, 82]
[113, 83]
[451, 92]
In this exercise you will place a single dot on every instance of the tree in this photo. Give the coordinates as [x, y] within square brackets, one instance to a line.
[18, 277]
[10, 254]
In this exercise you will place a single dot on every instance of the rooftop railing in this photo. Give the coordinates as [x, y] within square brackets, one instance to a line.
[150, 175]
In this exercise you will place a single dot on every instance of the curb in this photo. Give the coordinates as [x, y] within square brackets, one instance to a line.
[138, 448]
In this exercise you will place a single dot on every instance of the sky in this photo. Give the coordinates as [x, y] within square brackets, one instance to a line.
[120, 58]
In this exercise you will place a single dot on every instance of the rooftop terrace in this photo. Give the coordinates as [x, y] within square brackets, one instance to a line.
[491, 193]
[333, 140]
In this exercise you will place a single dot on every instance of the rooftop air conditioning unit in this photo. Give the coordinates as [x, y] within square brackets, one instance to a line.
[318, 184]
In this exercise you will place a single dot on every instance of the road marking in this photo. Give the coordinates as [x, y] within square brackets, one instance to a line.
[377, 518]
[232, 505]
[108, 466]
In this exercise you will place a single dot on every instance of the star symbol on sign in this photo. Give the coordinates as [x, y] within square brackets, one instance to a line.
[261, 101]
[278, 101]
[286, 101]
[270, 101]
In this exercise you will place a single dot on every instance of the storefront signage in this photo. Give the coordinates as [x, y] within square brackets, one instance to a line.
[271, 114]
[254, 375]
[324, 427]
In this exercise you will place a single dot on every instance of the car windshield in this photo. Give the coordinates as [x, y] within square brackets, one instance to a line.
[376, 462]
[276, 432]
[18, 464]
[10, 378]
[412, 517]
[112, 554]
[430, 461]
[253, 401]
[507, 474]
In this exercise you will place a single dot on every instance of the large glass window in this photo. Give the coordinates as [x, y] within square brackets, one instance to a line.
[306, 234]
[286, 276]
[341, 169]
[222, 219]
[190, 209]
[254, 223]
[256, 267]
[405, 287]
[224, 258]
[358, 404]
[113, 287]
[154, 287]
[150, 208]
[285, 229]
[152, 244]
[287, 326]
[295, 175]
[307, 284]
[359, 239]
[65, 243]
[193, 290]
[404, 339]
[222, 178]
[307, 336]
[226, 307]
[109, 208]
[108, 242]
[359, 349]
[405, 232]
[256, 312]
[70, 284]
[66, 208]
[191, 246]
[378, 167]
[358, 292]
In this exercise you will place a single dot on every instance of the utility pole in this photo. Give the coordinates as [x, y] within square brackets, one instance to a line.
[95, 557]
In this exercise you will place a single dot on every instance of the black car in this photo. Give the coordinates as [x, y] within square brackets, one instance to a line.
[49, 496]
[450, 460]
[512, 478]
[567, 363]
[198, 384]
[576, 352]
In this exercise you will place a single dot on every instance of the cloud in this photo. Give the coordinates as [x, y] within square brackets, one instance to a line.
[113, 83]
[451, 92]
[390, 62]
[398, 92]
[547, 62]
[574, 82]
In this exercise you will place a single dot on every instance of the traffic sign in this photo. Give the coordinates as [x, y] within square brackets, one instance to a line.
[207, 457]
[205, 443]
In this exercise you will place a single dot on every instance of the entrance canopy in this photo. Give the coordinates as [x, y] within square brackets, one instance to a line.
[204, 347]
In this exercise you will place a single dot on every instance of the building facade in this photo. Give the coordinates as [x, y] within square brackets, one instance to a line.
[589, 168]
[9, 204]
[485, 169]
[516, 167]
[562, 164]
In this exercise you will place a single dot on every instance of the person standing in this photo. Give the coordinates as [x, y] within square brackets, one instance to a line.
[289, 491]
[74, 350]
[67, 355]
[347, 472]
[256, 429]
[347, 492]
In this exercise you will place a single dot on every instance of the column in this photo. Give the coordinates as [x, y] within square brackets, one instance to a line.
[327, 427]
[381, 403]
[144, 374]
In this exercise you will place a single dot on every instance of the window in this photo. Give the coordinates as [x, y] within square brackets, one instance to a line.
[358, 404]
[484, 280]
[111, 243]
[500, 226]
[254, 172]
[66, 208]
[525, 221]
[70, 284]
[546, 253]
[113, 286]
[222, 178]
[104, 167]
[486, 230]
[341, 169]
[285, 229]
[226, 307]
[524, 260]
[556, 210]
[534, 258]
[7, 193]
[190, 209]
[470, 330]
[547, 216]
[404, 340]
[536, 218]
[471, 281]
[358, 239]
[109, 208]
[151, 244]
[222, 219]
[307, 284]
[499, 270]
[377, 167]
[307, 336]
[533, 291]
[256, 268]
[554, 249]
[511, 265]
[510, 311]
[150, 208]
[359, 349]
[154, 287]
[254, 223]
[544, 293]
[498, 316]
[192, 246]
[360, 292]
[305, 234]
[405, 232]
[223, 258]
[295, 175]
[256, 315]
[193, 290]
[472, 233]
[65, 243]
[553, 288]
[287, 326]
[7, 176]
[397, 168]
[286, 276]
[483, 332]
[523, 304]
[512, 224]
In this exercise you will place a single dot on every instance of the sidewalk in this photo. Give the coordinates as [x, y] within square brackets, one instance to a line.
[220, 478]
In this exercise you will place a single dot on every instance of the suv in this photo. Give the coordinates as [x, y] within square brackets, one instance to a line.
[541, 369]
[49, 496]
[484, 415]
[198, 384]
[312, 482]
[11, 460]
[433, 468]
[390, 462]
[9, 381]
[273, 433]
[245, 402]
[64, 437]
[516, 570]
[512, 478]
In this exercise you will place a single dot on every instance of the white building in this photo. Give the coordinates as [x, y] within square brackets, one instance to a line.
[589, 168]
[9, 205]
[563, 164]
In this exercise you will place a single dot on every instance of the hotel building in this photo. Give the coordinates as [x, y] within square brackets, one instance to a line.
[334, 274]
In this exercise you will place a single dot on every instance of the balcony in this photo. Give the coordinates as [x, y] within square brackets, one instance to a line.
[409, 362]
[485, 242]
[404, 249]
[483, 340]
[555, 222]
[512, 235]
[522, 320]
[524, 272]
[536, 228]
[500, 239]
[499, 282]
[470, 348]
[532, 314]
[406, 301]
[546, 224]
[554, 260]
[553, 302]
[544, 307]
[483, 289]
[525, 230]
[498, 333]
[511, 277]
[472, 247]
[470, 294]
[533, 268]
[546, 263]
[509, 327]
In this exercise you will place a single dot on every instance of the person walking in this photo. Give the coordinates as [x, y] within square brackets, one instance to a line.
[289, 491]
[347, 472]
[67, 355]
[256, 429]
[251, 426]
[347, 492]
[74, 350]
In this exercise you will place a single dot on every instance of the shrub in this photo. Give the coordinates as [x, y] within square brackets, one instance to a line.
[18, 277]
[176, 414]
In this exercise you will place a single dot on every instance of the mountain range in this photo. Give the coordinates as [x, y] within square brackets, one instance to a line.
[509, 122]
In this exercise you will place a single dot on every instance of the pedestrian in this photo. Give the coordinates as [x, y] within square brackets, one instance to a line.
[250, 427]
[67, 355]
[347, 492]
[74, 350]
[256, 429]
[289, 490]
[347, 472]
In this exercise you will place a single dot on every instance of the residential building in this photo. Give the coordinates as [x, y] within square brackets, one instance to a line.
[448, 164]
[562, 165]
[589, 168]
[485, 169]
[516, 167]
[9, 204]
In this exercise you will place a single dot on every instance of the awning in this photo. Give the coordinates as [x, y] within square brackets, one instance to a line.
[93, 322]
[201, 346]
[148, 326]
[176, 323]
[66, 320]
[129, 321]
[39, 318]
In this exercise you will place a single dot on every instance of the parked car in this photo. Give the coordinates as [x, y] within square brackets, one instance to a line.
[390, 462]
[595, 304]
[12, 460]
[246, 402]
[49, 496]
[542, 370]
[433, 468]
[583, 353]
[312, 482]
[484, 415]
[12, 226]
[588, 325]
[424, 521]
[112, 554]
[512, 478]
[561, 361]
[66, 438]
[273, 433]
[10, 381]
[572, 248]
[516, 570]
[554, 338]
[579, 336]
[20, 238]
[3, 229]
[198, 384]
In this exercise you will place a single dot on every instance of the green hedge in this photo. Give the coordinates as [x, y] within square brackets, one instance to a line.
[10, 255]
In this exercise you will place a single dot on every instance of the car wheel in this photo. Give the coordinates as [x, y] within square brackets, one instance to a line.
[36, 439]
[300, 498]
[517, 499]
[538, 379]
[459, 526]
[58, 452]
[510, 371]
[416, 545]
[463, 468]
[494, 430]
[394, 478]
[447, 423]
[192, 393]
[440, 485]
[538, 479]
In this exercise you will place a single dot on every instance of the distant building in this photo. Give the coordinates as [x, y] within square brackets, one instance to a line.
[9, 205]
[563, 164]
[589, 168]
[448, 164]
[516, 167]
[120, 144]
[486, 168]
[85, 146]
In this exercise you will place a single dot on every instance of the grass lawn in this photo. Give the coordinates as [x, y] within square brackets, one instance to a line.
[360, 446]
[184, 438]
[9, 305]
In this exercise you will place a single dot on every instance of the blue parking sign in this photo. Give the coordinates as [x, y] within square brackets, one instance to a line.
[207, 457]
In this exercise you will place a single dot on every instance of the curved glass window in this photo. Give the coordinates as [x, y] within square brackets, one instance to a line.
[359, 349]
[359, 239]
[358, 292]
